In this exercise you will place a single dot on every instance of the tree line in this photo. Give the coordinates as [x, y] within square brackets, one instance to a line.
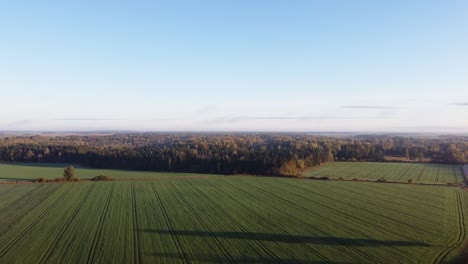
[258, 154]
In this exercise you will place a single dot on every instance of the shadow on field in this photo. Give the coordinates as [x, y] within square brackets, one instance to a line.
[222, 259]
[284, 238]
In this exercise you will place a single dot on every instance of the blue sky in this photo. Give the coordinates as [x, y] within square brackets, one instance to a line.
[234, 65]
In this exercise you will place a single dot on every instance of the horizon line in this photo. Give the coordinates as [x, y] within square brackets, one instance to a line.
[40, 131]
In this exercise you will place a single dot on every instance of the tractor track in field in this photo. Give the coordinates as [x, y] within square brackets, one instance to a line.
[407, 172]
[202, 223]
[465, 174]
[99, 231]
[292, 204]
[64, 227]
[240, 227]
[421, 172]
[303, 222]
[438, 175]
[349, 216]
[181, 243]
[136, 239]
[13, 241]
[357, 196]
[277, 228]
[461, 232]
[28, 201]
[454, 173]
[20, 202]
[6, 193]
[378, 191]
[303, 244]
[177, 243]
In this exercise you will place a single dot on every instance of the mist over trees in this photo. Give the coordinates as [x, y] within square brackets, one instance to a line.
[258, 154]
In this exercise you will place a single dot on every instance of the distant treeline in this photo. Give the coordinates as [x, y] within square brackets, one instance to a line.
[264, 154]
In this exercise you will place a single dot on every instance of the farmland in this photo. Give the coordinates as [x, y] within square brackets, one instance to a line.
[28, 172]
[231, 219]
[396, 172]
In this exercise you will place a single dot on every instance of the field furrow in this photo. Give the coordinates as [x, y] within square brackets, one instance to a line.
[237, 219]
[305, 215]
[393, 172]
[367, 220]
[64, 227]
[8, 243]
[23, 201]
[237, 223]
[204, 225]
[95, 245]
[136, 239]
[181, 253]
[461, 234]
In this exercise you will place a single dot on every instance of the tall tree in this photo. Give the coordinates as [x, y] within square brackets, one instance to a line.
[69, 173]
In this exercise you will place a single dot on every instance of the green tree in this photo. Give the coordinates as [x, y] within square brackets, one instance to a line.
[69, 173]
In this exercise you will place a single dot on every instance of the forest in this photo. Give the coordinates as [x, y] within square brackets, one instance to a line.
[256, 154]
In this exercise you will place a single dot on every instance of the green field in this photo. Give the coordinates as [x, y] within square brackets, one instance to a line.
[397, 172]
[231, 219]
[28, 172]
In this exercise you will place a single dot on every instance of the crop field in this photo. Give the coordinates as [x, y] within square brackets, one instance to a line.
[28, 172]
[231, 219]
[397, 172]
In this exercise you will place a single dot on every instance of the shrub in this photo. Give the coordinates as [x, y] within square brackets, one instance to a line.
[102, 178]
[324, 178]
[76, 179]
[69, 173]
[355, 179]
[40, 180]
[341, 178]
[381, 180]
[410, 181]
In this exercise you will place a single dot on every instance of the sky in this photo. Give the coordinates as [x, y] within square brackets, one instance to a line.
[234, 65]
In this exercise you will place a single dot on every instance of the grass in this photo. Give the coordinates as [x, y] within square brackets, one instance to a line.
[396, 172]
[231, 219]
[31, 171]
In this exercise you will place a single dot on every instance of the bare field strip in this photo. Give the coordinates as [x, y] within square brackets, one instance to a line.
[232, 219]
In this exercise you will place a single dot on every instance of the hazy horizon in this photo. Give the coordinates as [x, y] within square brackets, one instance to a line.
[272, 66]
[84, 131]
